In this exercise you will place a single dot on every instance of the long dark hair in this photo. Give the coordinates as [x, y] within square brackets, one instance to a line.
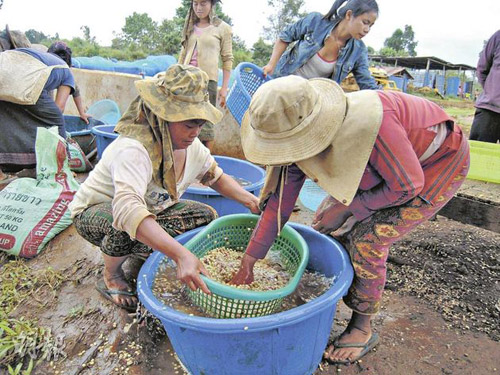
[358, 7]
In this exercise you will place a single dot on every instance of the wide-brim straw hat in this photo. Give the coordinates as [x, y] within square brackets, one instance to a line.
[179, 94]
[292, 119]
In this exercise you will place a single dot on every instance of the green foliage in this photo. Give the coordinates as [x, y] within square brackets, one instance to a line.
[371, 50]
[261, 52]
[170, 36]
[282, 14]
[38, 37]
[22, 339]
[140, 30]
[140, 37]
[391, 52]
[403, 41]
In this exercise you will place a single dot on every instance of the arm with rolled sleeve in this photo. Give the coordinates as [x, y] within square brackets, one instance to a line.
[267, 227]
[131, 172]
[226, 52]
[396, 162]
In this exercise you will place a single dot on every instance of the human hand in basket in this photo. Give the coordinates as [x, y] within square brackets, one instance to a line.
[189, 268]
[245, 273]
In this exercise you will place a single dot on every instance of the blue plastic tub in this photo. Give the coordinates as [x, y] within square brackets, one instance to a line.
[247, 79]
[81, 132]
[236, 168]
[104, 136]
[105, 110]
[287, 343]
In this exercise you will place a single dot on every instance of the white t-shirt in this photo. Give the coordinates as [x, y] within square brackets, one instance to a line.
[316, 67]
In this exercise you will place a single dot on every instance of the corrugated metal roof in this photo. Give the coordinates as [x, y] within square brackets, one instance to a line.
[394, 70]
[420, 62]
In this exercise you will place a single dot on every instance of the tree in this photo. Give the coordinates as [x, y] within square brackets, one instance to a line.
[391, 52]
[141, 30]
[170, 36]
[37, 37]
[261, 52]
[284, 13]
[402, 41]
[86, 35]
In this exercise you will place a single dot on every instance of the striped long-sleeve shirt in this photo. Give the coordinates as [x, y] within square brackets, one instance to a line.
[394, 174]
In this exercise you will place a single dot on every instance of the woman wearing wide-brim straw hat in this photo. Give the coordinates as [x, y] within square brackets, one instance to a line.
[389, 161]
[130, 202]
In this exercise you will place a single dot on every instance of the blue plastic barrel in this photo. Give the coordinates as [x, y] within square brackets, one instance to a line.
[104, 136]
[236, 168]
[288, 343]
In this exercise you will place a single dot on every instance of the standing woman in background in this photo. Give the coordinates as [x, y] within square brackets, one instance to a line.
[205, 38]
[328, 46]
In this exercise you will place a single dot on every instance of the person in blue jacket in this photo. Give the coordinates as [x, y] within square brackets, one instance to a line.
[327, 46]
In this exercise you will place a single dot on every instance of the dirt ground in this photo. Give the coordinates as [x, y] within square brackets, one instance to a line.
[441, 312]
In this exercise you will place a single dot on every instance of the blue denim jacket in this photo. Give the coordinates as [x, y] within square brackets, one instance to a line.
[309, 33]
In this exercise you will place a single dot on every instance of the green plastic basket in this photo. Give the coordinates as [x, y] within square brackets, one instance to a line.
[484, 161]
[234, 231]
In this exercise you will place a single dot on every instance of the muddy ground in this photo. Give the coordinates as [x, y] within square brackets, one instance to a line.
[440, 313]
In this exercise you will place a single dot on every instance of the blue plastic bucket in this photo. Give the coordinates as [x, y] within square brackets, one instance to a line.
[81, 132]
[236, 168]
[288, 343]
[105, 110]
[104, 136]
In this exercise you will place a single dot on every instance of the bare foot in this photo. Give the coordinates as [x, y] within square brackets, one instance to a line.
[117, 282]
[351, 335]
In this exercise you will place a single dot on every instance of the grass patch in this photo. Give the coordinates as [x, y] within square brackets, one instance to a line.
[23, 341]
[459, 112]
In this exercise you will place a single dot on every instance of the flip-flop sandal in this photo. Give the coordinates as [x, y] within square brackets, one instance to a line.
[109, 293]
[367, 347]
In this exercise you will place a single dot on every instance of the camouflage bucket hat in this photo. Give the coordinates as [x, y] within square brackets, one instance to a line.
[179, 94]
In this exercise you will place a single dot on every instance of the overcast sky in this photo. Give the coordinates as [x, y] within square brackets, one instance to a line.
[451, 30]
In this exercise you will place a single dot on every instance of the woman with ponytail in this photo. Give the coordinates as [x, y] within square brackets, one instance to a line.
[327, 46]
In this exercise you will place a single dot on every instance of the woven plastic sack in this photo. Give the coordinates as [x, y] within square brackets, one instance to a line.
[33, 211]
[78, 162]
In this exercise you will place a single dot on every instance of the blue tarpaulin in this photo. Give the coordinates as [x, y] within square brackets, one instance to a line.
[145, 67]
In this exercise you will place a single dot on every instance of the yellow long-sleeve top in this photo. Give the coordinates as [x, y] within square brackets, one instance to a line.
[214, 42]
[124, 177]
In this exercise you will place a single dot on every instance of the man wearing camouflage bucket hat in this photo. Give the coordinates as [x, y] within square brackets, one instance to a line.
[130, 202]
[389, 161]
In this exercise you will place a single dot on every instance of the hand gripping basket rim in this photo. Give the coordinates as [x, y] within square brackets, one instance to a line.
[240, 294]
